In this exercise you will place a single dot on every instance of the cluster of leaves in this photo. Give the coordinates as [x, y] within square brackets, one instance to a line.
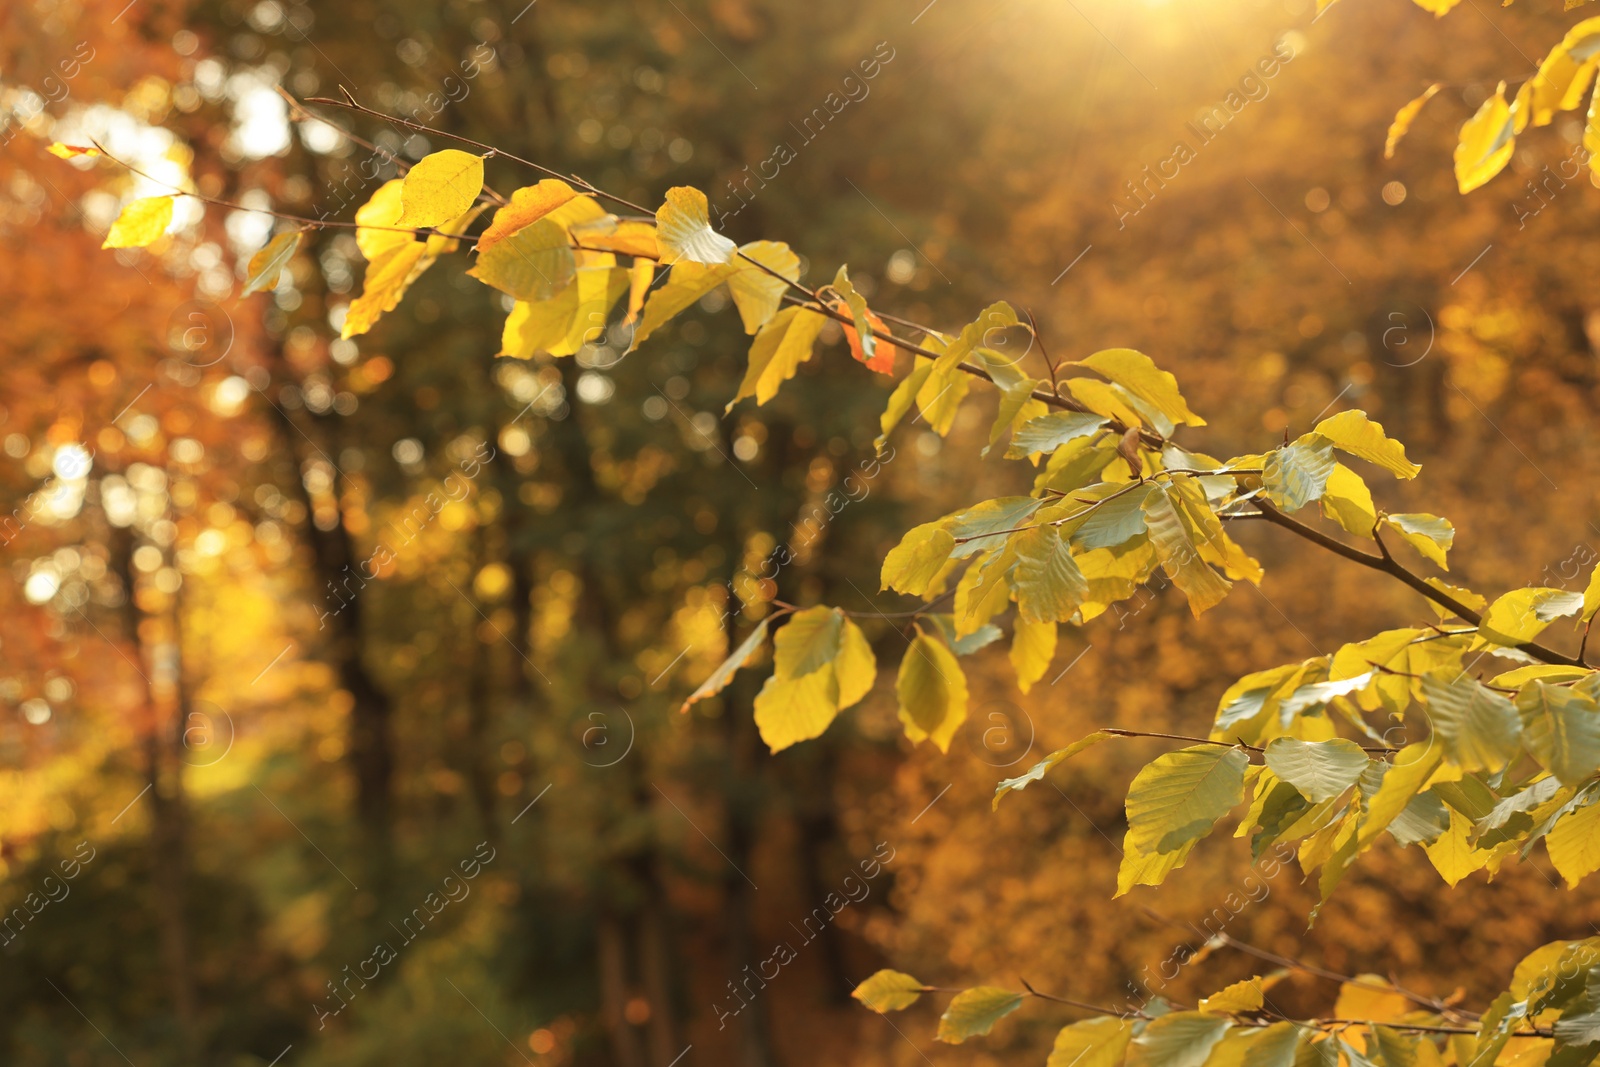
[1116, 504]
[1488, 139]
[1550, 1014]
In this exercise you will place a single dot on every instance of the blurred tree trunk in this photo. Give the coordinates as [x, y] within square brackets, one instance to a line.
[163, 766]
[335, 566]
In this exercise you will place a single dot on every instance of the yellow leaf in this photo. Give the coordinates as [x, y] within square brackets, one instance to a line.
[683, 227]
[1591, 594]
[1574, 844]
[598, 288]
[1452, 855]
[534, 263]
[790, 710]
[1428, 534]
[442, 186]
[382, 210]
[756, 293]
[1033, 646]
[1563, 77]
[932, 692]
[640, 277]
[140, 223]
[1486, 142]
[719, 678]
[628, 237]
[1353, 433]
[1405, 117]
[71, 151]
[854, 666]
[1371, 999]
[534, 327]
[889, 991]
[1248, 995]
[1439, 7]
[387, 280]
[1520, 615]
[1137, 373]
[687, 283]
[777, 352]
[528, 205]
[268, 263]
[395, 264]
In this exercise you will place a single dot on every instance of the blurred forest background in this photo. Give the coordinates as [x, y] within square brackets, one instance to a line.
[256, 760]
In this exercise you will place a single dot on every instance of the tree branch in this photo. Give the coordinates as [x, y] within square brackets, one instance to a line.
[1386, 564]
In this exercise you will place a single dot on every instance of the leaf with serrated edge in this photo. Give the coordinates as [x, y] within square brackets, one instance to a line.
[1320, 770]
[1354, 434]
[1178, 1039]
[1037, 772]
[1137, 373]
[1179, 796]
[973, 1012]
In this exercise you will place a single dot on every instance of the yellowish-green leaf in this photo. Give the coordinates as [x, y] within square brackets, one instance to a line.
[1320, 770]
[1178, 553]
[1561, 729]
[973, 1012]
[441, 187]
[1098, 1042]
[790, 710]
[1428, 534]
[683, 228]
[777, 352]
[1298, 473]
[687, 283]
[1520, 615]
[1478, 727]
[1574, 843]
[854, 666]
[932, 692]
[1048, 584]
[1177, 1039]
[1138, 374]
[1355, 434]
[913, 564]
[905, 391]
[268, 263]
[533, 264]
[1033, 646]
[1037, 772]
[719, 678]
[1246, 996]
[1178, 797]
[539, 326]
[140, 223]
[809, 641]
[756, 293]
[889, 991]
[1049, 432]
